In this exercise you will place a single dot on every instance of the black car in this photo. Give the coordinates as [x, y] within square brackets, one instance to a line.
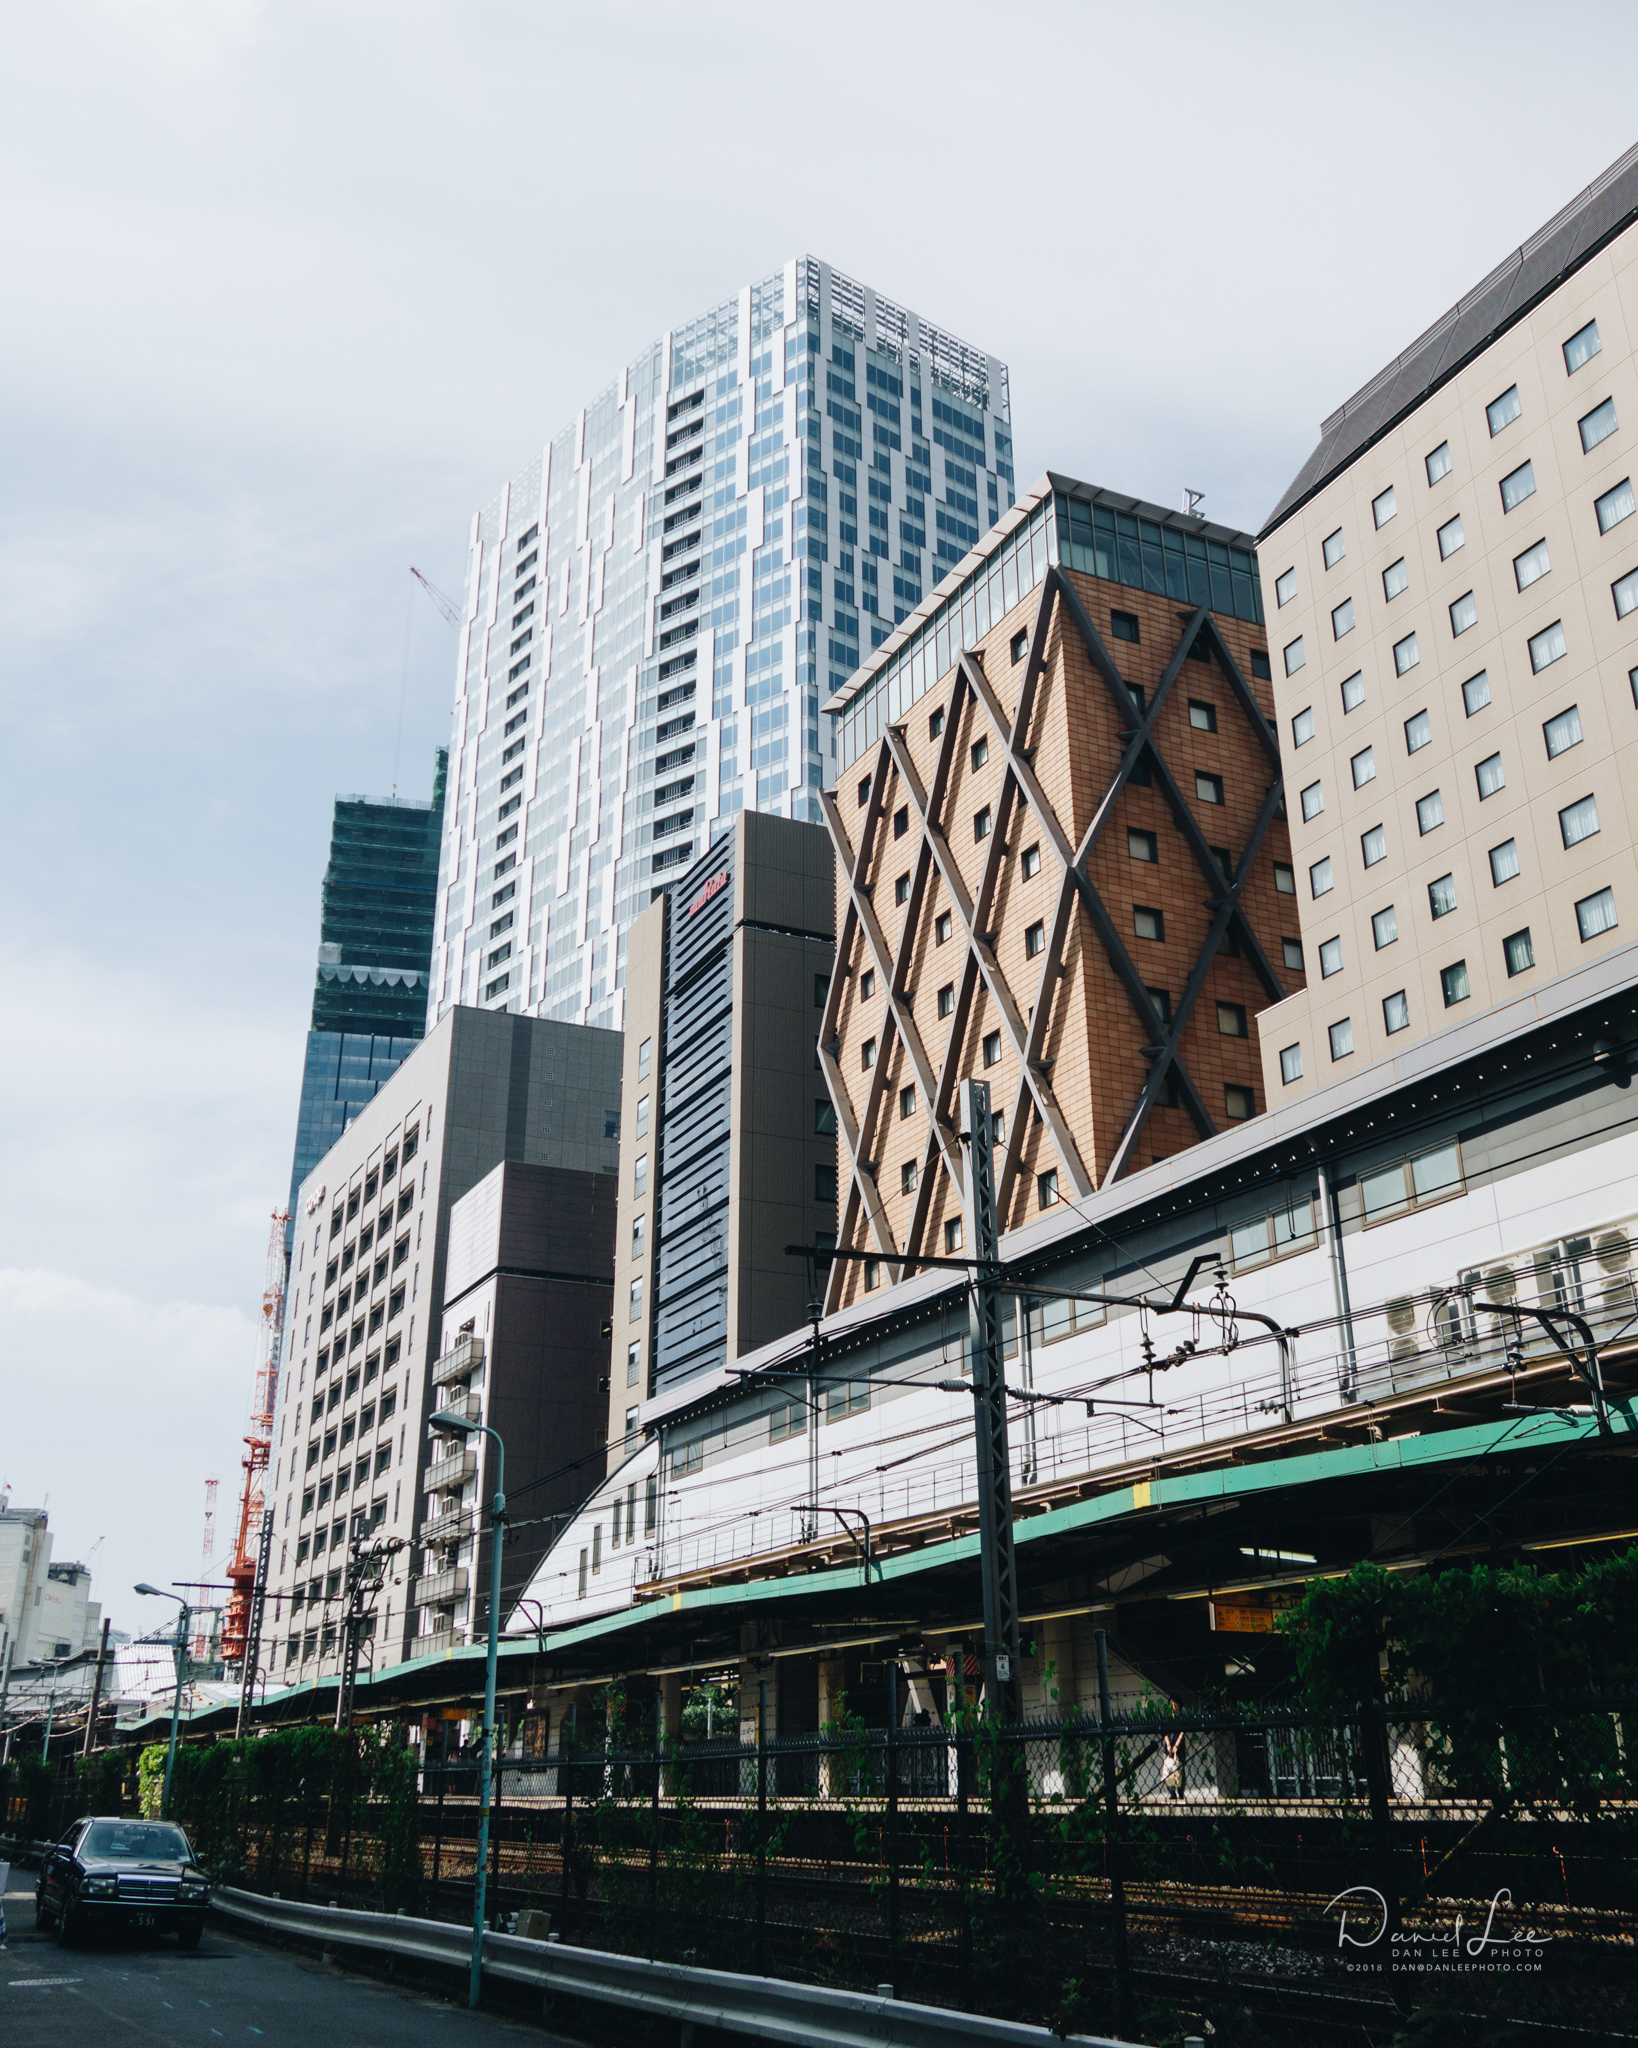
[110, 1873]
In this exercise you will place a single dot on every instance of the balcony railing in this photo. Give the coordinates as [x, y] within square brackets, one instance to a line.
[444, 1526]
[444, 1473]
[462, 1358]
[441, 1588]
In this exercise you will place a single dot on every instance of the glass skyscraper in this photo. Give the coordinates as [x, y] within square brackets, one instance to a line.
[375, 948]
[656, 607]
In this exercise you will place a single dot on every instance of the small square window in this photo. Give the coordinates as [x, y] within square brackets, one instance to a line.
[1476, 692]
[824, 1186]
[1342, 619]
[1437, 462]
[1517, 485]
[941, 928]
[946, 1000]
[1442, 896]
[1285, 879]
[1464, 615]
[1260, 664]
[1581, 347]
[1290, 1064]
[1548, 646]
[1395, 580]
[1406, 655]
[981, 823]
[1453, 980]
[1046, 1189]
[1319, 877]
[1502, 412]
[1238, 1103]
[867, 984]
[824, 1117]
[1334, 548]
[1019, 645]
[1142, 845]
[1292, 951]
[1518, 952]
[901, 889]
[1395, 1013]
[935, 723]
[907, 1103]
[901, 821]
[1302, 727]
[1363, 766]
[952, 1234]
[1615, 505]
[873, 1275]
[1148, 923]
[1353, 691]
[1530, 566]
[867, 1054]
[1451, 537]
[1294, 656]
[1625, 593]
[1342, 1038]
[1285, 586]
[1202, 716]
[1595, 915]
[1208, 788]
[1385, 927]
[1384, 506]
[864, 789]
[1313, 801]
[1231, 1020]
[1578, 821]
[1504, 862]
[992, 1048]
[1034, 940]
[1330, 954]
[1030, 861]
[1490, 776]
[980, 752]
[1124, 626]
[908, 1176]
[1598, 425]
[645, 1053]
[1430, 812]
[1418, 732]
[1563, 732]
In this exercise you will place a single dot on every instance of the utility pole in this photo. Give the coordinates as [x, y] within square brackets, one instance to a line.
[997, 1561]
[96, 1691]
[816, 1310]
[253, 1628]
[366, 1575]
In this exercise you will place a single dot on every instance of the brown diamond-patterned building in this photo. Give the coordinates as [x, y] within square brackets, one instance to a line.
[1063, 868]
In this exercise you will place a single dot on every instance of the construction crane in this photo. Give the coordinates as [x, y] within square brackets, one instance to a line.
[241, 1567]
[207, 1555]
[447, 608]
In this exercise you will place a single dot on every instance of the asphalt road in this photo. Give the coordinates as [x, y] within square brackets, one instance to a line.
[146, 1991]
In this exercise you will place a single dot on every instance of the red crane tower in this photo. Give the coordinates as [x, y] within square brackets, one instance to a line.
[241, 1569]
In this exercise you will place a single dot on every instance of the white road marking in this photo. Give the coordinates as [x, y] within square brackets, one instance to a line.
[33, 1983]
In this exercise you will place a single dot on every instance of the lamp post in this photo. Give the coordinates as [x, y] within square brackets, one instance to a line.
[159, 1593]
[451, 1422]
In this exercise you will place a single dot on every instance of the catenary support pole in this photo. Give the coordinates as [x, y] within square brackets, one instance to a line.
[96, 1690]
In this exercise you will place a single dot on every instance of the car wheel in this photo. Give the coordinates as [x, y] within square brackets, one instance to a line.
[188, 1936]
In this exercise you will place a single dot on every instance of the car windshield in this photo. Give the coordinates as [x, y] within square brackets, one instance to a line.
[136, 1841]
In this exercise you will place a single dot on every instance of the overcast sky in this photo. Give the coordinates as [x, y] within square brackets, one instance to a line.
[289, 290]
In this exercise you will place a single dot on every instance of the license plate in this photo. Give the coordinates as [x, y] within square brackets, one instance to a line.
[142, 1920]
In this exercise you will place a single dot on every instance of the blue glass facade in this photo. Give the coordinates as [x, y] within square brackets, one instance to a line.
[343, 1071]
[657, 605]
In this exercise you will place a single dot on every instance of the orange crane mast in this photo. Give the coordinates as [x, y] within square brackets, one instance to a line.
[241, 1568]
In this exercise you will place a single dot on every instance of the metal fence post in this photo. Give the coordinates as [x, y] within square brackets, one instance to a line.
[565, 1772]
[891, 1759]
[762, 1827]
[963, 1759]
[1112, 1845]
[654, 1826]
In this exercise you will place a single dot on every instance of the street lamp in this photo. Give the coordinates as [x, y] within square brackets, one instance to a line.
[159, 1593]
[451, 1422]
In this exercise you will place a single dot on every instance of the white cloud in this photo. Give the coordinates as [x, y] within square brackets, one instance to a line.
[115, 1412]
